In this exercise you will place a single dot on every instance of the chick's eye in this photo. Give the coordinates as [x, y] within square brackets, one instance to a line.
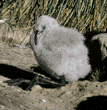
[44, 27]
[36, 32]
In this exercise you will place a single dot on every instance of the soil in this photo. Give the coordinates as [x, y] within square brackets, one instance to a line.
[16, 62]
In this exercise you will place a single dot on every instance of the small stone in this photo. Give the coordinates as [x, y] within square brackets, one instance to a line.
[36, 87]
[1, 106]
[19, 90]
[43, 100]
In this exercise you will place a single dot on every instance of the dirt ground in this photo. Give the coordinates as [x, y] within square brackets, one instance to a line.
[15, 62]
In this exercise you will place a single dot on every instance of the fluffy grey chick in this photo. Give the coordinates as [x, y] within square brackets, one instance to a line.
[60, 51]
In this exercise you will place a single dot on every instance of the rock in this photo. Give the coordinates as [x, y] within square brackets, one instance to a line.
[100, 41]
[97, 46]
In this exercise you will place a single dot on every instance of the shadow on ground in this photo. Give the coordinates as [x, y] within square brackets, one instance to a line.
[15, 73]
[93, 103]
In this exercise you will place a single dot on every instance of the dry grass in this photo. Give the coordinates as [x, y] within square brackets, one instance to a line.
[81, 14]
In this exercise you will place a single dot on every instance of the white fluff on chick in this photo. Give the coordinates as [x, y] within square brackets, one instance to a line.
[60, 51]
